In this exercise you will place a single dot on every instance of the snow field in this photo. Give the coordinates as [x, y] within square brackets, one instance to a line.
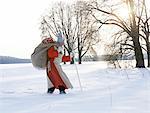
[105, 90]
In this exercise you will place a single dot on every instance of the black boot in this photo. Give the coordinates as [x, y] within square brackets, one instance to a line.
[51, 90]
[62, 90]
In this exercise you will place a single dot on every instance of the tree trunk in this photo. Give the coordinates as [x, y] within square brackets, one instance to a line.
[148, 56]
[64, 54]
[148, 53]
[72, 60]
[79, 58]
[138, 53]
[135, 36]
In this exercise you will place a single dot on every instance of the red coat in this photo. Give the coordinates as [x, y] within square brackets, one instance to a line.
[54, 74]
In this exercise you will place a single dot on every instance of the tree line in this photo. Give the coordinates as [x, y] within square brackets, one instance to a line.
[81, 24]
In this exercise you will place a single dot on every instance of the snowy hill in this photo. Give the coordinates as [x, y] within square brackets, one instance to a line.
[23, 90]
[11, 60]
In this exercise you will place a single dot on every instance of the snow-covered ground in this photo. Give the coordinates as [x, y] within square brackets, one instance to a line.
[105, 90]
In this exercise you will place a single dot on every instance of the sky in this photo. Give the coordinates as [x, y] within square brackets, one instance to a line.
[19, 26]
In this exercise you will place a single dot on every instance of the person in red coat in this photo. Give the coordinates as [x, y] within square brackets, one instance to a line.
[56, 78]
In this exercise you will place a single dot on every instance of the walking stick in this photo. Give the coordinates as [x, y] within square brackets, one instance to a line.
[61, 41]
[77, 71]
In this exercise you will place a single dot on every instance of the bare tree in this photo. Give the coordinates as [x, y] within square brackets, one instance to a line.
[119, 50]
[75, 24]
[87, 34]
[69, 28]
[130, 26]
[145, 26]
[61, 20]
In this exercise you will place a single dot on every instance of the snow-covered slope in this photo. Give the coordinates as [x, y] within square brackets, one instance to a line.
[23, 90]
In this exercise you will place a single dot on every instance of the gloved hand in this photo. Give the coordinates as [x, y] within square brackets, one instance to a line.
[60, 50]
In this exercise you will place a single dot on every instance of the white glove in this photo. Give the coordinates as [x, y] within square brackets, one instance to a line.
[60, 49]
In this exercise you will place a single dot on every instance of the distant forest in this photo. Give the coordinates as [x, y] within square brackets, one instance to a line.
[12, 60]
